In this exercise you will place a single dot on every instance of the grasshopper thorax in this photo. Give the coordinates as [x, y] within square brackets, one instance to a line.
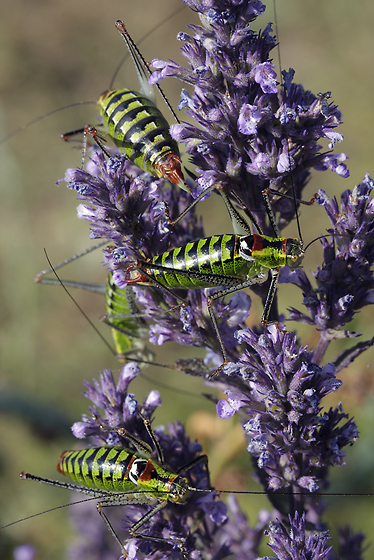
[269, 252]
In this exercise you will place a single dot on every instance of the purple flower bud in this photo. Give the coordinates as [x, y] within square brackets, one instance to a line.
[24, 552]
[248, 119]
[282, 540]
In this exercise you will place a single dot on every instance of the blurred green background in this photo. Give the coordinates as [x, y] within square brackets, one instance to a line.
[53, 54]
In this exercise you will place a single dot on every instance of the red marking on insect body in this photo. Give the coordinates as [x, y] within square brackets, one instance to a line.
[147, 474]
[126, 474]
[258, 243]
[284, 246]
[135, 276]
[60, 466]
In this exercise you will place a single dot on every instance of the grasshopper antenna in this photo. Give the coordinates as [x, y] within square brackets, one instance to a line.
[142, 68]
[41, 117]
[111, 349]
[145, 36]
[47, 511]
[283, 86]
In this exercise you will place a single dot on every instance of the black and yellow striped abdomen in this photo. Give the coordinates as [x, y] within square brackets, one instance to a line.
[212, 256]
[105, 468]
[138, 128]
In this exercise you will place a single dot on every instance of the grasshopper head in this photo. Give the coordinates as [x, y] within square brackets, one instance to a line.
[295, 252]
[179, 490]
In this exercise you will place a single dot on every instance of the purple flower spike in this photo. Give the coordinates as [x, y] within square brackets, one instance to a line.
[345, 281]
[217, 531]
[240, 113]
[250, 131]
[292, 443]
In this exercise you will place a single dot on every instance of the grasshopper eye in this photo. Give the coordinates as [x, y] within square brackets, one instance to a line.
[295, 259]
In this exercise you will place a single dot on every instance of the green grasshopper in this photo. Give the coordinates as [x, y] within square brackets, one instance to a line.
[137, 126]
[133, 122]
[118, 477]
[232, 261]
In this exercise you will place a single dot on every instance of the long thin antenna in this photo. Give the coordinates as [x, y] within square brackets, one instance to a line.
[145, 36]
[59, 484]
[142, 67]
[283, 86]
[44, 116]
[39, 276]
[48, 511]
[277, 36]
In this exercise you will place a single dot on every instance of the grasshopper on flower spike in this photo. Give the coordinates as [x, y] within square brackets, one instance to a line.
[233, 262]
[137, 126]
[169, 474]
[118, 476]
